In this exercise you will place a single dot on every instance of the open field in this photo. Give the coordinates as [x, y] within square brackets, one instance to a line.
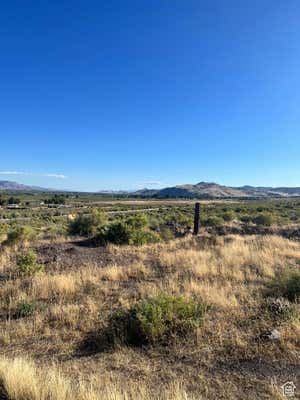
[224, 359]
[62, 297]
[44, 210]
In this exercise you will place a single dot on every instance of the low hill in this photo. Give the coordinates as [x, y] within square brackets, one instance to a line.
[213, 190]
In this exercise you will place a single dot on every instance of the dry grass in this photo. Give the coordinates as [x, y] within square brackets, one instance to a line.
[222, 360]
[53, 286]
[21, 379]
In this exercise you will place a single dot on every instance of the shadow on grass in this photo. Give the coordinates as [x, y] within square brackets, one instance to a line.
[90, 242]
[96, 342]
[3, 393]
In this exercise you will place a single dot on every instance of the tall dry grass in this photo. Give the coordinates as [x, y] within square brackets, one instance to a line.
[230, 274]
[21, 379]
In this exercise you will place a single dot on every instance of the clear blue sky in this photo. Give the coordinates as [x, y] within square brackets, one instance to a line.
[121, 94]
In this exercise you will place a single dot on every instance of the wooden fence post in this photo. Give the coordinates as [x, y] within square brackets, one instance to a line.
[196, 218]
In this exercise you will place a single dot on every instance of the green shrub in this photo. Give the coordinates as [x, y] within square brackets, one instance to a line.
[137, 221]
[27, 264]
[286, 284]
[246, 219]
[129, 231]
[166, 234]
[213, 221]
[180, 218]
[56, 199]
[265, 218]
[156, 319]
[20, 234]
[118, 233]
[141, 237]
[14, 200]
[87, 225]
[25, 309]
[228, 215]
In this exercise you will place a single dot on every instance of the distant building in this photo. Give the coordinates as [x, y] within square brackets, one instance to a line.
[58, 206]
[54, 205]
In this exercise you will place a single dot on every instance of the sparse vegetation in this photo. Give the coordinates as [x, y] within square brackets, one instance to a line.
[264, 219]
[156, 319]
[133, 230]
[153, 297]
[228, 215]
[280, 309]
[286, 284]
[20, 234]
[87, 225]
[27, 264]
[25, 309]
[213, 221]
[141, 291]
[56, 199]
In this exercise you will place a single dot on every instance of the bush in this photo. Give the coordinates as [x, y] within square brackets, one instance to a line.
[118, 233]
[56, 199]
[179, 218]
[166, 234]
[266, 219]
[141, 237]
[20, 234]
[137, 221]
[213, 221]
[27, 264]
[130, 231]
[87, 225]
[228, 215]
[287, 285]
[14, 200]
[246, 219]
[25, 309]
[156, 319]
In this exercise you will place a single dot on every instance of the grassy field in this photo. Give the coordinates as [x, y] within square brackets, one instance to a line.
[52, 322]
[181, 317]
[49, 213]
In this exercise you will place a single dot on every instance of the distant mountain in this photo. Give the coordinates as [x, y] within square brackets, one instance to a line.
[213, 190]
[14, 186]
[201, 190]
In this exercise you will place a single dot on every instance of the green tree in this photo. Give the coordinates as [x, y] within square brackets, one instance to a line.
[14, 200]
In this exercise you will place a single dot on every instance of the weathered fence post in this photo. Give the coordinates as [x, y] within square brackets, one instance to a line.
[196, 218]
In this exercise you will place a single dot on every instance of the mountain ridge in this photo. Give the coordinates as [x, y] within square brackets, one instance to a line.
[15, 186]
[199, 190]
[214, 190]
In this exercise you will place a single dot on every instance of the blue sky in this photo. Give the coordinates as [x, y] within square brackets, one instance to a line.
[123, 94]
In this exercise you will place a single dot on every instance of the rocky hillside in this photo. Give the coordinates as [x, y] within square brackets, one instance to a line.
[14, 186]
[213, 190]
